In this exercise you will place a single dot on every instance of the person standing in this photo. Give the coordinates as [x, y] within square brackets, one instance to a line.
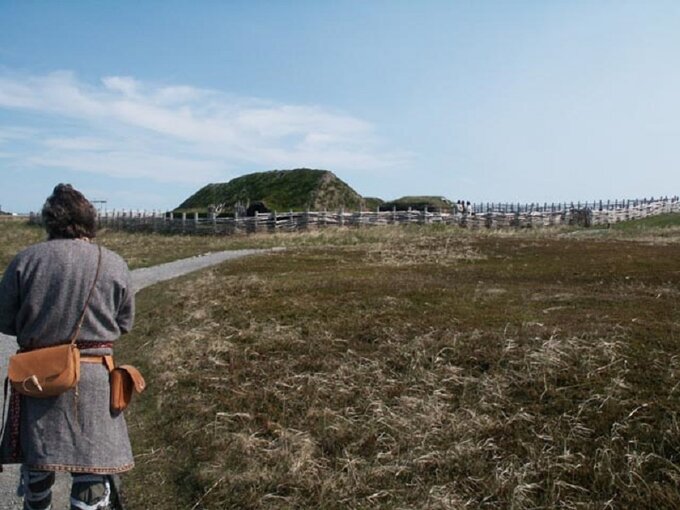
[43, 293]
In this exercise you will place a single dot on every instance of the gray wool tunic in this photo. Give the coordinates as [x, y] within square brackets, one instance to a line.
[42, 294]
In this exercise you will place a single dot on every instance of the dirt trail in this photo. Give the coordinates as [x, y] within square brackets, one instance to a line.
[141, 278]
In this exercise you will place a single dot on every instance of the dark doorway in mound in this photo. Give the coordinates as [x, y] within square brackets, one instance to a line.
[257, 207]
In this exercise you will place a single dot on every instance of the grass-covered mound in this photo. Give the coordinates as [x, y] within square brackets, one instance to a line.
[417, 203]
[373, 203]
[279, 190]
[420, 367]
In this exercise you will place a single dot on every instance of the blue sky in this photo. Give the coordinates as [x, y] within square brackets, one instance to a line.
[142, 103]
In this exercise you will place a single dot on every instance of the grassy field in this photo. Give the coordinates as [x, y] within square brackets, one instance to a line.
[415, 368]
[425, 367]
[139, 250]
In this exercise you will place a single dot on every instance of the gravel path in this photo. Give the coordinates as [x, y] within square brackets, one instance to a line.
[141, 278]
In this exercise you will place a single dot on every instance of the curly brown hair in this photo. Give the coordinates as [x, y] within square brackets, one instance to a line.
[67, 214]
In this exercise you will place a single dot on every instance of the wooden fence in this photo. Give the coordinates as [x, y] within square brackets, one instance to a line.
[477, 216]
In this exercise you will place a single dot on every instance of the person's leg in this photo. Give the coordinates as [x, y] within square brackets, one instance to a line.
[37, 488]
[90, 492]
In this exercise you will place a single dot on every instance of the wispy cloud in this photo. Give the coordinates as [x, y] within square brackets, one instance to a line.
[125, 127]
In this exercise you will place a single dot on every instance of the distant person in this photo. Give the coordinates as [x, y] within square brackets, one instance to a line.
[42, 295]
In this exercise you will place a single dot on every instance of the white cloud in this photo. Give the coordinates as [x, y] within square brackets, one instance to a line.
[132, 165]
[124, 84]
[125, 127]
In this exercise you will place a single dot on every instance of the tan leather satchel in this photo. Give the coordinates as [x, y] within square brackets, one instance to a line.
[45, 372]
[50, 371]
[124, 379]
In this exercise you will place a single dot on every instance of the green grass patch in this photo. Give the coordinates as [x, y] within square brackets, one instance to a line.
[652, 222]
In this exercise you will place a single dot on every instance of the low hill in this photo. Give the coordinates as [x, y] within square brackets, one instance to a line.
[372, 203]
[277, 190]
[417, 203]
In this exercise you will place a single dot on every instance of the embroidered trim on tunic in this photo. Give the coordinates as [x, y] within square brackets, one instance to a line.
[93, 344]
[14, 426]
[81, 469]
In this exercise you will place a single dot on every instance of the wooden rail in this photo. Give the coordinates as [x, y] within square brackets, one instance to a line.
[478, 216]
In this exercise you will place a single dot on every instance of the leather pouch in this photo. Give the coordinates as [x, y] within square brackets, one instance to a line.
[124, 380]
[45, 372]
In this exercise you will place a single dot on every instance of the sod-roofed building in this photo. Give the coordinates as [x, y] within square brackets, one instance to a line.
[277, 190]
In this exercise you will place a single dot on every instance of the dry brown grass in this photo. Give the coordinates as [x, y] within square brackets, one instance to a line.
[15, 234]
[414, 368]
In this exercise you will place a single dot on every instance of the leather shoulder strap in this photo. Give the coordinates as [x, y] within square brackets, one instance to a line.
[79, 325]
[4, 406]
